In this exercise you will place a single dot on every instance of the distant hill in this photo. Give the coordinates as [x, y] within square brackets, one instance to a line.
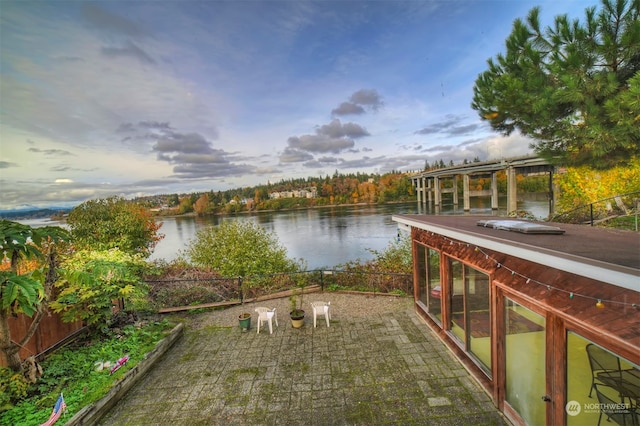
[23, 214]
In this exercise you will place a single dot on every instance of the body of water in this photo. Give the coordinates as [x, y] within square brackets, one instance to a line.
[326, 236]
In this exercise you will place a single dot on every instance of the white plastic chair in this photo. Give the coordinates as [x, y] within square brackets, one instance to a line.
[321, 308]
[266, 315]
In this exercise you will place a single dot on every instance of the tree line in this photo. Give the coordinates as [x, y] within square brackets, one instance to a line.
[352, 188]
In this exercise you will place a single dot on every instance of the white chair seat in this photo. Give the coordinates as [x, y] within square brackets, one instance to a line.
[266, 315]
[321, 308]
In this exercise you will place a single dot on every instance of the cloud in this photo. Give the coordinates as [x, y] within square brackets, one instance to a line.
[191, 143]
[334, 137]
[64, 168]
[293, 155]
[100, 18]
[7, 164]
[355, 106]
[320, 143]
[368, 97]
[336, 129]
[56, 152]
[128, 50]
[348, 108]
[194, 157]
[211, 170]
[155, 125]
[451, 126]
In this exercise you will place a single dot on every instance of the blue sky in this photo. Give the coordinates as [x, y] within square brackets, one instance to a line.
[135, 98]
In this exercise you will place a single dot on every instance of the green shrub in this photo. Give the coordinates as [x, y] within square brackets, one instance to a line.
[72, 371]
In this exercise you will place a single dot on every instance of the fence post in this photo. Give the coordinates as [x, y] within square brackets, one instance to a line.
[591, 208]
[240, 290]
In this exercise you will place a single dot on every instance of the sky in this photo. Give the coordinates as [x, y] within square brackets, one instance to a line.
[137, 98]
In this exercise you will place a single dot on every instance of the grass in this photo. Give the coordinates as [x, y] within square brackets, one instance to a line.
[630, 222]
[72, 371]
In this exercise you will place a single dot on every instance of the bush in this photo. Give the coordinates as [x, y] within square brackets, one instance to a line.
[238, 249]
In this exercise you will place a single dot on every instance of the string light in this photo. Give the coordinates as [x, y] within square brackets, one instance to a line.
[600, 303]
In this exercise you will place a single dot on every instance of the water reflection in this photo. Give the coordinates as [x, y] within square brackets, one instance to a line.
[324, 237]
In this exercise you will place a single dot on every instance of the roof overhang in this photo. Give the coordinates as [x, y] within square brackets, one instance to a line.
[621, 276]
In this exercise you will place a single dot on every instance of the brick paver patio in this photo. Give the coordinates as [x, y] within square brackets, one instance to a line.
[381, 369]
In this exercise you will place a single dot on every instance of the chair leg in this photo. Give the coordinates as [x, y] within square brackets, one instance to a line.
[326, 316]
[270, 327]
[258, 326]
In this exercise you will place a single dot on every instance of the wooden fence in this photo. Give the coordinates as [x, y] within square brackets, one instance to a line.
[50, 333]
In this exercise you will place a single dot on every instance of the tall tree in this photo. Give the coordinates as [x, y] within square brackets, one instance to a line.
[573, 87]
[114, 223]
[25, 291]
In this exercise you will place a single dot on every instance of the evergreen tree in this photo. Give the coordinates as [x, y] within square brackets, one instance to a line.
[573, 87]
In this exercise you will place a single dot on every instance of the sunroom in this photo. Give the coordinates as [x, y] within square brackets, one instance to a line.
[545, 316]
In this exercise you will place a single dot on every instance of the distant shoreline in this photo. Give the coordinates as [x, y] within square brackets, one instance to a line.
[244, 212]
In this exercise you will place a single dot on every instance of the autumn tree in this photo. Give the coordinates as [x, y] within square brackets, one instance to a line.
[573, 87]
[202, 205]
[24, 290]
[113, 222]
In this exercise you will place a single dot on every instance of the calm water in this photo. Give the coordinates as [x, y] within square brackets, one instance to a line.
[323, 237]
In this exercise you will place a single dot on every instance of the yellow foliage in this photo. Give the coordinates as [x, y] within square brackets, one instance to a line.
[583, 185]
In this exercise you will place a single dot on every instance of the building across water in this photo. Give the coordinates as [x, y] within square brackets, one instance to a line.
[546, 316]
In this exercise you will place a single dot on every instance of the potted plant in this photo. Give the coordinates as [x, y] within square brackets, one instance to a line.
[245, 321]
[297, 313]
[245, 317]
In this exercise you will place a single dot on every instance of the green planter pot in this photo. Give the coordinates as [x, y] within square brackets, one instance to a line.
[245, 322]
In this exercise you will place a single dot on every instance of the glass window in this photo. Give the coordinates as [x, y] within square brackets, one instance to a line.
[434, 285]
[477, 307]
[469, 311]
[592, 369]
[456, 300]
[421, 272]
[525, 362]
